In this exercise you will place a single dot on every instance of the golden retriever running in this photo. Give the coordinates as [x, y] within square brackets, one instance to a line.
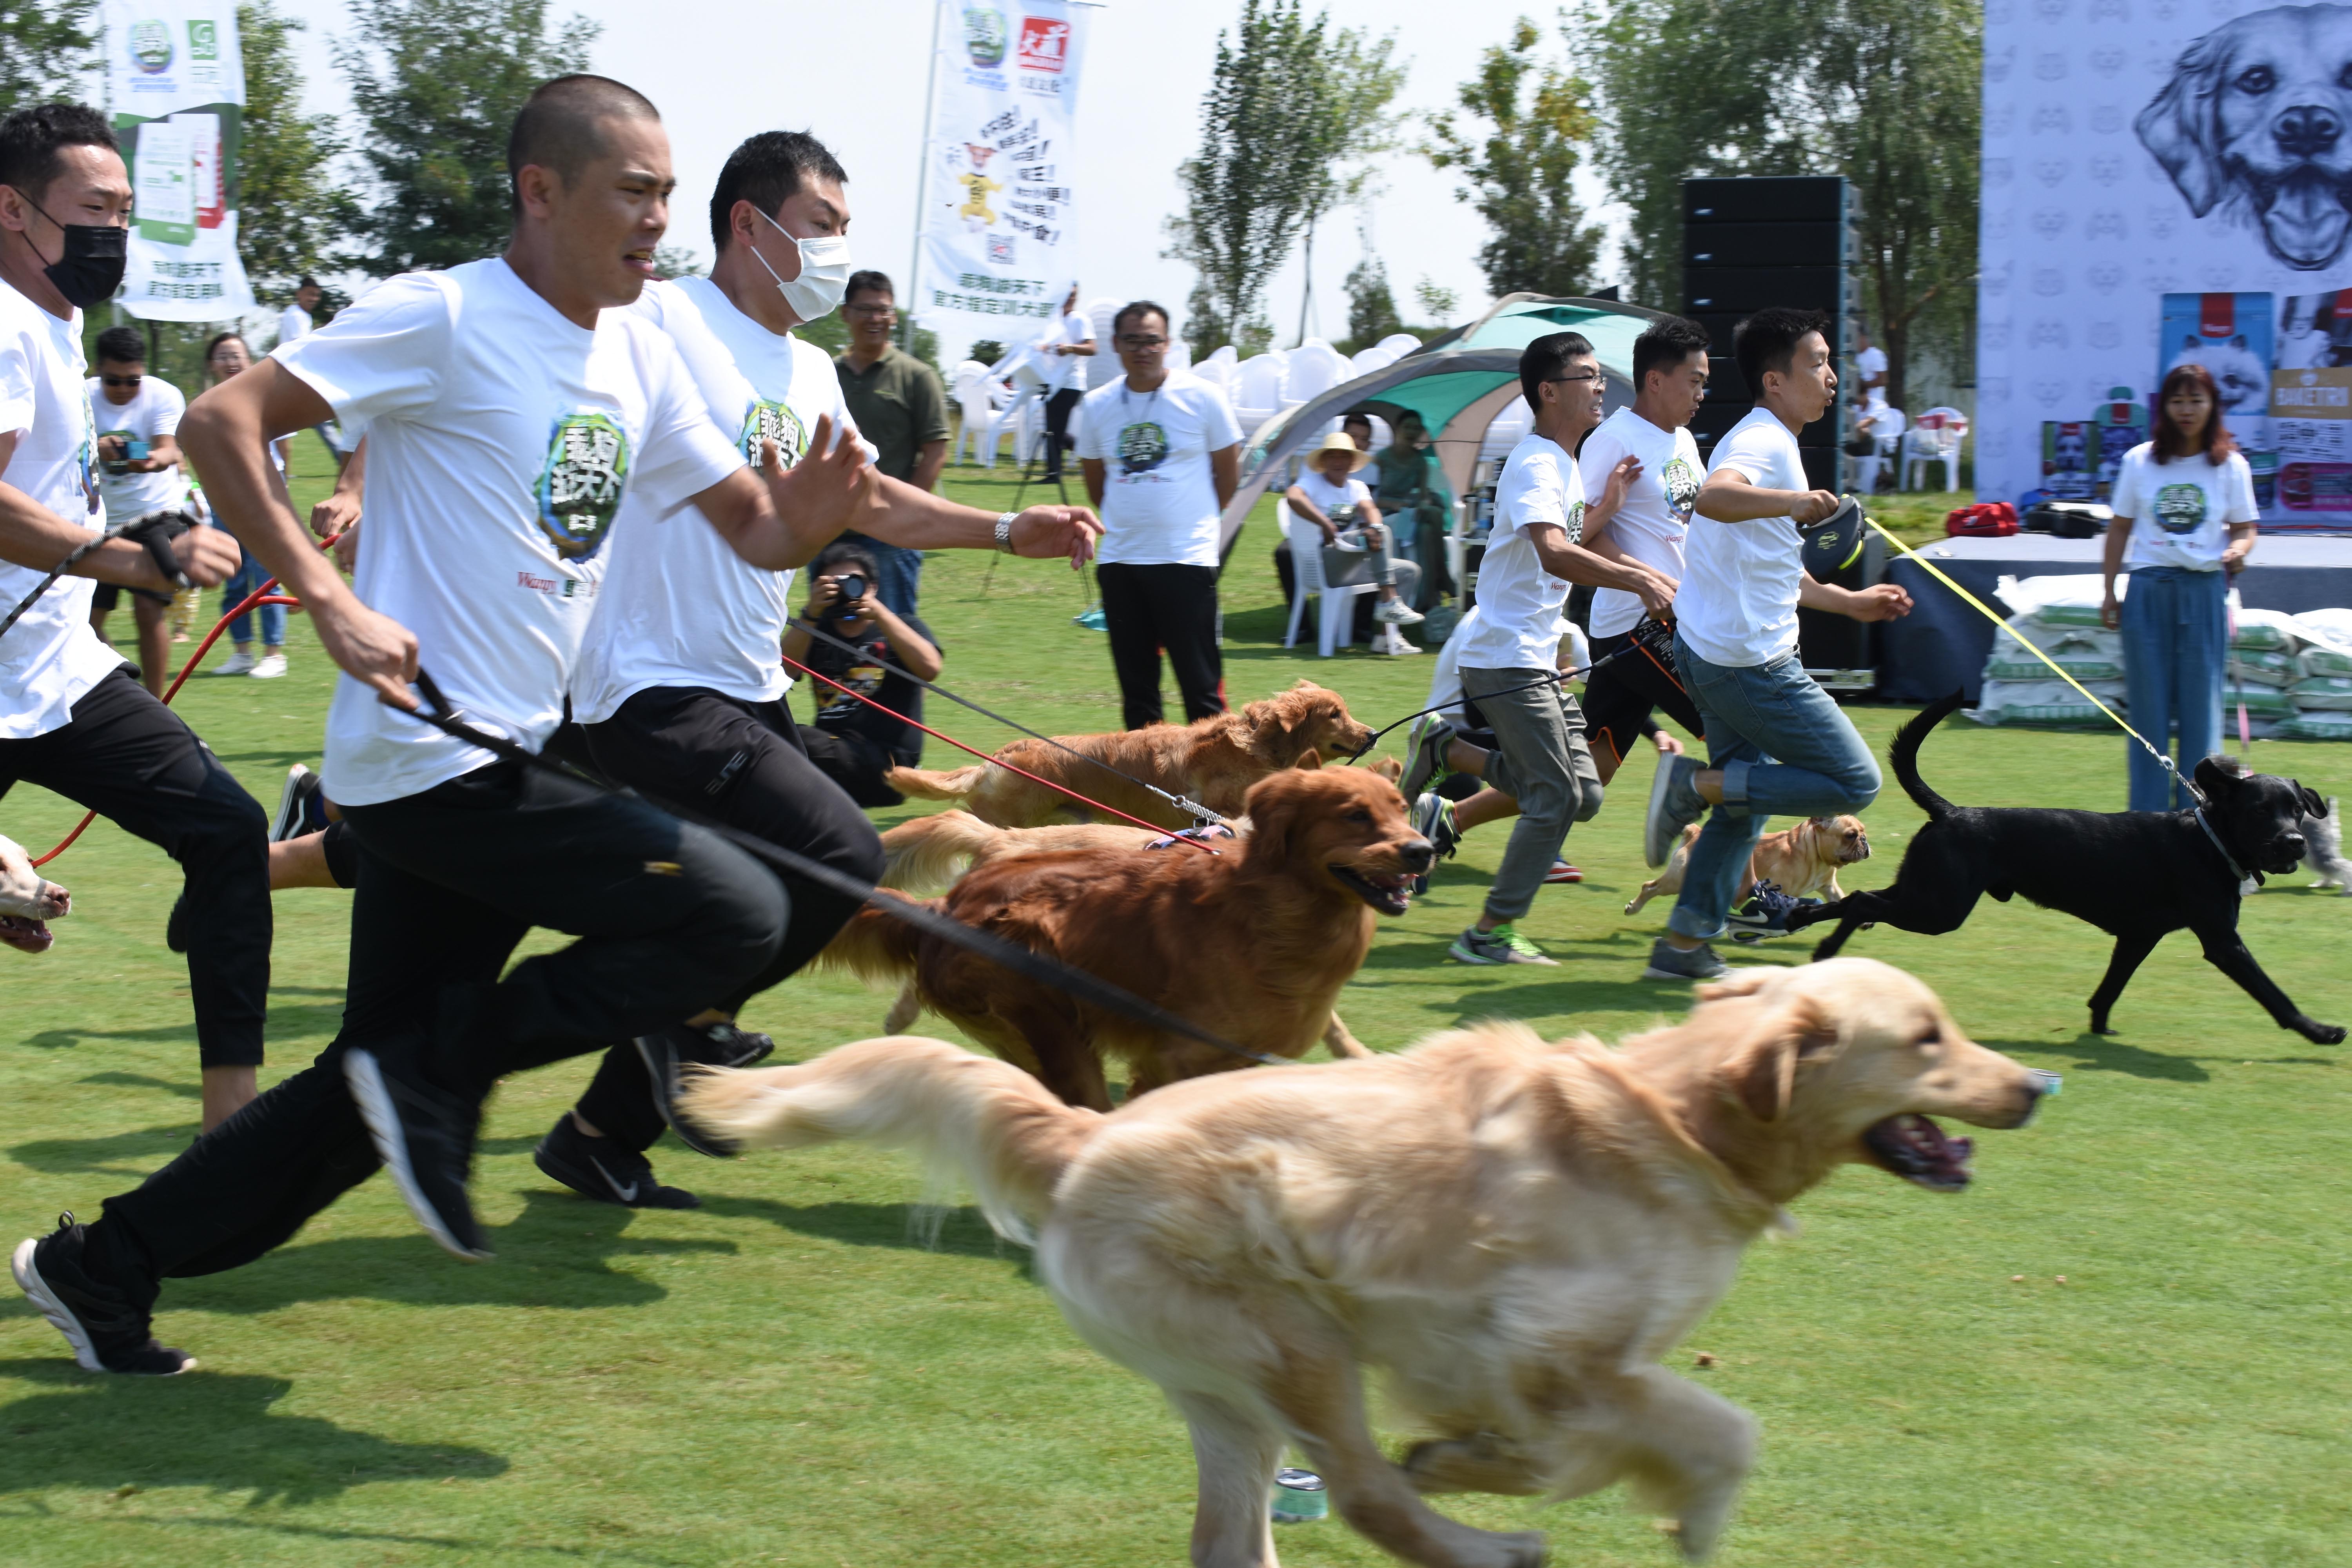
[1801, 859]
[1252, 943]
[1511, 1232]
[1212, 761]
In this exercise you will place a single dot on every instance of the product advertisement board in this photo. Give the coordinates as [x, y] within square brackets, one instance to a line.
[2167, 181]
[175, 88]
[999, 248]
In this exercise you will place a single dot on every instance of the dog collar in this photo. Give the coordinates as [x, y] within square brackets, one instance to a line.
[2227, 859]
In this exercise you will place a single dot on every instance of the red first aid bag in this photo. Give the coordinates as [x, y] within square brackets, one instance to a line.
[1988, 520]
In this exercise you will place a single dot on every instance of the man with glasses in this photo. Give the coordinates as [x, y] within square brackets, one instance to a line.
[138, 417]
[1509, 657]
[900, 406]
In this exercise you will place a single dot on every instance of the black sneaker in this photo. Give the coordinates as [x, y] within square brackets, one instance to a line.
[601, 1169]
[667, 1054]
[1765, 914]
[301, 807]
[107, 1333]
[1433, 819]
[424, 1135]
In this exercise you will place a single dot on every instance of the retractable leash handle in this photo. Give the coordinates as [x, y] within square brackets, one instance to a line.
[155, 531]
[448, 719]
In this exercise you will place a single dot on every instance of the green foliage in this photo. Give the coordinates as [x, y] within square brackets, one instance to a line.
[677, 261]
[1439, 304]
[1522, 118]
[1291, 110]
[437, 83]
[48, 49]
[988, 351]
[830, 334]
[1372, 308]
[1884, 92]
[293, 215]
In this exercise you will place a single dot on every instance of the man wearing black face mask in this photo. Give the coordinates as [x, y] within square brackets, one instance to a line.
[72, 717]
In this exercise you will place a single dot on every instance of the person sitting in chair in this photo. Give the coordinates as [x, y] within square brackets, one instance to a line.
[853, 743]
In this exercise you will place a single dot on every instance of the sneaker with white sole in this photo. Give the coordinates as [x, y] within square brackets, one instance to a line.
[1668, 962]
[666, 1055]
[601, 1169]
[1504, 944]
[1561, 872]
[271, 667]
[424, 1135]
[1433, 819]
[1396, 613]
[108, 1330]
[1675, 805]
[1394, 642]
[1425, 767]
[239, 663]
[299, 807]
[1763, 913]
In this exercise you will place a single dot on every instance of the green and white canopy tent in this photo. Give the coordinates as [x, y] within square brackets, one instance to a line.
[1458, 383]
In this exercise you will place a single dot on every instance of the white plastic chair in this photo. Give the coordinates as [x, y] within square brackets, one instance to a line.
[1334, 607]
[1257, 390]
[1105, 366]
[1887, 428]
[1933, 438]
[1180, 355]
[970, 392]
[1398, 344]
[1313, 368]
[1218, 369]
[1509, 429]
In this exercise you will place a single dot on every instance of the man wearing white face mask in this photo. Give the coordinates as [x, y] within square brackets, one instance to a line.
[680, 686]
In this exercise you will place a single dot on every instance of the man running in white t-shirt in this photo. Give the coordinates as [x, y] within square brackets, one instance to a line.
[1777, 744]
[72, 719]
[1509, 664]
[679, 688]
[509, 408]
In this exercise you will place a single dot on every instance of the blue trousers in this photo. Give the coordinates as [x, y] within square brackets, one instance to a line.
[251, 575]
[1785, 748]
[2176, 629]
[902, 573]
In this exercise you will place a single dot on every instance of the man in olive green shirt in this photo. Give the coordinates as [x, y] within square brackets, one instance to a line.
[899, 406]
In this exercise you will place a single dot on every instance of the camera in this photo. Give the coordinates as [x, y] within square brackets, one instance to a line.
[851, 587]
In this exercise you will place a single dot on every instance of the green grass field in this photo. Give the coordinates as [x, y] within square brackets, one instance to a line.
[788, 1376]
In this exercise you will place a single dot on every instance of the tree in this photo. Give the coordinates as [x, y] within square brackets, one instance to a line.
[1437, 303]
[1372, 308]
[1884, 92]
[291, 213]
[46, 50]
[1519, 162]
[1289, 101]
[438, 83]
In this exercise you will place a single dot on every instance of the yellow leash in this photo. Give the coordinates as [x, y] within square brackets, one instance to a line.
[1987, 612]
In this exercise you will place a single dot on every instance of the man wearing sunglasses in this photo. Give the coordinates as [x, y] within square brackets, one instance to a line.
[137, 416]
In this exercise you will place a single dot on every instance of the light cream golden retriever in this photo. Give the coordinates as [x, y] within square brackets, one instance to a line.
[1512, 1233]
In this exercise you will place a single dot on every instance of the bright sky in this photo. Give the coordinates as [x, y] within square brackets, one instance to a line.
[854, 75]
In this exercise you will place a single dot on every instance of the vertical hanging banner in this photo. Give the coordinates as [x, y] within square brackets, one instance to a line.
[999, 248]
[175, 87]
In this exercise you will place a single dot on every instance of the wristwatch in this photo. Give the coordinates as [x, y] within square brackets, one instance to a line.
[1005, 531]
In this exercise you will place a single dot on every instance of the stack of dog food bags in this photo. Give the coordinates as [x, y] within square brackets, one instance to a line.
[2322, 691]
[2059, 616]
[2265, 665]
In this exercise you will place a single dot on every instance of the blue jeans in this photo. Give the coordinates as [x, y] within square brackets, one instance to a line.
[250, 575]
[902, 573]
[1785, 748]
[2176, 627]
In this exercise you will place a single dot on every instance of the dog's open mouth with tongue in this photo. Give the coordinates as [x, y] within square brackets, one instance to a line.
[1386, 891]
[1916, 1150]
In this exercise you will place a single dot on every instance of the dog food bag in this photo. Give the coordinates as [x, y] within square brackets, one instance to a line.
[2264, 666]
[2326, 638]
[2045, 702]
[2066, 599]
[2329, 691]
[2317, 724]
[2010, 662]
[2261, 702]
[2266, 629]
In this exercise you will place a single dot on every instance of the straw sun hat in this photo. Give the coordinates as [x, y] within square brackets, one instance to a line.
[1336, 441]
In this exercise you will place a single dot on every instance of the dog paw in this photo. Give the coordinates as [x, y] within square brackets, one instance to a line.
[2322, 1034]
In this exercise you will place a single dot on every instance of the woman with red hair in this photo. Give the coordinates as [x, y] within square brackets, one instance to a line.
[2184, 524]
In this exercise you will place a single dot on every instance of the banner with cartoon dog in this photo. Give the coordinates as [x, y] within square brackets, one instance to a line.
[999, 250]
[175, 90]
[2167, 181]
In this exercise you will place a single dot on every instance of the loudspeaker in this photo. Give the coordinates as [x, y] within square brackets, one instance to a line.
[1780, 244]
[1784, 198]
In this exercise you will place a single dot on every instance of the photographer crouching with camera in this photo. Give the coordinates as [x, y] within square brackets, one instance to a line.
[851, 743]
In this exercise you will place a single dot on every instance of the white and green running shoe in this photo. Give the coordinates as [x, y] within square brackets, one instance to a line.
[1504, 944]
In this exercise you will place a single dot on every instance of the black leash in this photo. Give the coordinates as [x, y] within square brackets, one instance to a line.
[155, 531]
[448, 719]
[1552, 680]
[1191, 807]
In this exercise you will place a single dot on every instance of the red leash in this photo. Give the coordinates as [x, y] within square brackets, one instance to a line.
[983, 756]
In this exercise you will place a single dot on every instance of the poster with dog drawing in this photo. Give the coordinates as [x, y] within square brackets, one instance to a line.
[2145, 161]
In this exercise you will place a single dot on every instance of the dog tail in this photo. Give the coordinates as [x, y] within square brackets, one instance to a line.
[930, 852]
[967, 1116]
[927, 783]
[1905, 755]
[873, 946]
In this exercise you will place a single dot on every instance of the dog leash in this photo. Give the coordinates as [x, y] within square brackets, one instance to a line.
[448, 719]
[983, 756]
[1190, 808]
[154, 532]
[1552, 680]
[1986, 611]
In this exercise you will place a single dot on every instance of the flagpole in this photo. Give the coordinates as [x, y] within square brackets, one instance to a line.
[922, 188]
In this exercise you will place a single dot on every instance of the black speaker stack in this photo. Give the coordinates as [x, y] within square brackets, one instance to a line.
[1789, 240]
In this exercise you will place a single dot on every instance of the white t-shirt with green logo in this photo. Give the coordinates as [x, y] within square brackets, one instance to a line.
[502, 439]
[1520, 603]
[154, 412]
[2181, 510]
[1655, 517]
[1159, 498]
[679, 608]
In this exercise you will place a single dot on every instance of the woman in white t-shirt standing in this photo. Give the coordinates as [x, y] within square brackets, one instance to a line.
[1161, 454]
[2185, 520]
